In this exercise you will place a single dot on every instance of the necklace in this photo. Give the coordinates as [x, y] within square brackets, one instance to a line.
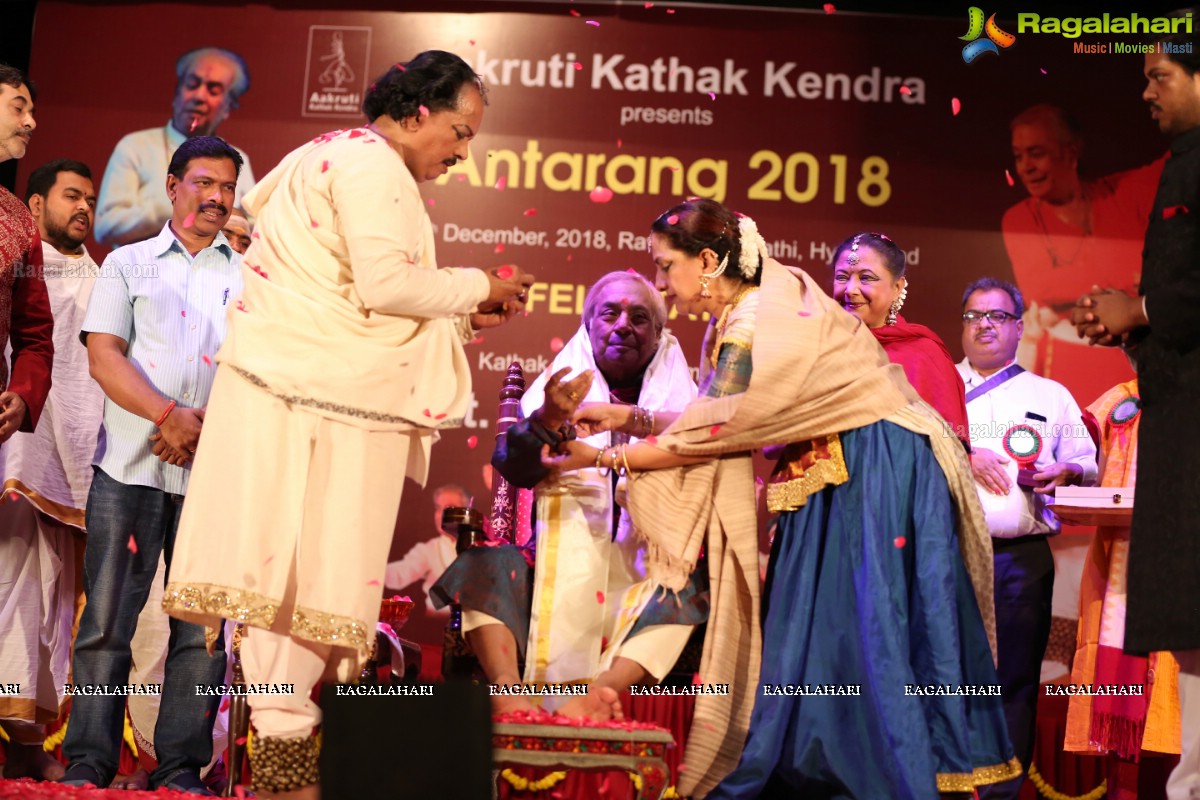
[723, 320]
[1086, 228]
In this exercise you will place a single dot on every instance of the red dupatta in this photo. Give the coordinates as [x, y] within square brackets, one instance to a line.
[929, 368]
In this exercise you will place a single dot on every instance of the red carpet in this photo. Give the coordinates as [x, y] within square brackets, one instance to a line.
[25, 788]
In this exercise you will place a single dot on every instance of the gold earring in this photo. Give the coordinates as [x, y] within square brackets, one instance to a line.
[704, 292]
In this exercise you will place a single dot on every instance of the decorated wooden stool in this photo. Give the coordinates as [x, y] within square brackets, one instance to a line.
[628, 746]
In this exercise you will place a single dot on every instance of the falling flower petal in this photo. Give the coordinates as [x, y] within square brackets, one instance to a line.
[601, 194]
[132, 545]
[189, 219]
[530, 212]
[423, 110]
[651, 439]
[460, 177]
[1008, 177]
[501, 182]
[556, 344]
[471, 42]
[269, 560]
[905, 90]
[431, 202]
[498, 248]
[313, 222]
[254, 235]
[593, 22]
[504, 273]
[899, 541]
[600, 598]
[183, 313]
[324, 166]
[472, 441]
[570, 257]
[241, 740]
[673, 219]
[1044, 72]
[440, 416]
[955, 106]
[240, 792]
[670, 11]
[513, 575]
[649, 5]
[206, 360]
[224, 705]
[713, 430]
[574, 13]
[357, 132]
[829, 9]
[241, 306]
[151, 363]
[804, 313]
[618, 143]
[373, 582]
[578, 65]
[712, 95]
[427, 413]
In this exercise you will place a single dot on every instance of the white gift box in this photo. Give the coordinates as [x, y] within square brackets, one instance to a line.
[1094, 496]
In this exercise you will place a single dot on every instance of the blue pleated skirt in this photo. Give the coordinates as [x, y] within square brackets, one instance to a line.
[866, 591]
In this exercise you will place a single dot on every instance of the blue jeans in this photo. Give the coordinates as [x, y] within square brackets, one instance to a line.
[116, 582]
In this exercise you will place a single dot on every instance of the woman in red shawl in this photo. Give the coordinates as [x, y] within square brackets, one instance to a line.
[869, 282]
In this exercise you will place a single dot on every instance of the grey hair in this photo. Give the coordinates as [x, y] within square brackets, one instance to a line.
[658, 306]
[988, 284]
[241, 76]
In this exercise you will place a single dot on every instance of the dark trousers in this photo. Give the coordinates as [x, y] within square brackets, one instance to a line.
[1024, 585]
[116, 583]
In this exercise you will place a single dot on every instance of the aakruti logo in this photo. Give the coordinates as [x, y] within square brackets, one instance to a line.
[976, 27]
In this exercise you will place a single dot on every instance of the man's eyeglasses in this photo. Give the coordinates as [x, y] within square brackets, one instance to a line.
[995, 316]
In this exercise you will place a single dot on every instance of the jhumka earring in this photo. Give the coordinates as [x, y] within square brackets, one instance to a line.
[896, 305]
[704, 290]
[705, 276]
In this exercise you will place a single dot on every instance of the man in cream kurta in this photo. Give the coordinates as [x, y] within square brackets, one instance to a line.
[45, 476]
[344, 358]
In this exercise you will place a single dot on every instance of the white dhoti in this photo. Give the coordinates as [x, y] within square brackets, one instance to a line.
[37, 608]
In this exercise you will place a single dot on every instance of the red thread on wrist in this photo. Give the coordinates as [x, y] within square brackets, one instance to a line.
[163, 418]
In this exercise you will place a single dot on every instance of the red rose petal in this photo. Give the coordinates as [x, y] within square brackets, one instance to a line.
[593, 23]
[829, 9]
[471, 42]
[431, 202]
[206, 360]
[440, 416]
[513, 575]
[651, 439]
[1008, 177]
[673, 219]
[373, 582]
[498, 248]
[601, 194]
[530, 212]
[239, 791]
[577, 65]
[504, 273]
[712, 95]
[313, 222]
[426, 413]
[574, 13]
[151, 363]
[899, 541]
[905, 90]
[241, 306]
[501, 182]
[618, 144]
[255, 234]
[804, 313]
[670, 11]
[600, 598]
[556, 344]
[423, 111]
[649, 5]
[132, 545]
[713, 430]
[1044, 72]
[357, 132]
[460, 177]
[955, 106]
[189, 219]
[472, 441]
[224, 705]
[241, 740]
[183, 313]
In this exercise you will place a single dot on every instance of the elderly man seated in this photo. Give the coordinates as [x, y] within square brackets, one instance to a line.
[583, 610]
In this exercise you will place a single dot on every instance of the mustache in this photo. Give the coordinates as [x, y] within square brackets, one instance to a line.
[215, 206]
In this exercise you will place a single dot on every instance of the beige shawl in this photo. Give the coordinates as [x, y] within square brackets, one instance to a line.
[817, 371]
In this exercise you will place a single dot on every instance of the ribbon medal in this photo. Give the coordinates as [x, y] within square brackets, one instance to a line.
[1023, 443]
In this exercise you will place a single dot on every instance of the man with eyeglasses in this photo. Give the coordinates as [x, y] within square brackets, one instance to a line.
[1027, 437]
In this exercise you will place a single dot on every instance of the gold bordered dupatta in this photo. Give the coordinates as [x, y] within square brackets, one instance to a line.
[817, 371]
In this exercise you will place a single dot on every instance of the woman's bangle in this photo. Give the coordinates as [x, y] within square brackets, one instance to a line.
[625, 459]
[600, 463]
[163, 418]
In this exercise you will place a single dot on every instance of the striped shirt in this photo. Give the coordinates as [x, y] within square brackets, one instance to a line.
[170, 307]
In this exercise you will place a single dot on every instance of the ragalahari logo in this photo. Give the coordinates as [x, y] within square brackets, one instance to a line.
[976, 27]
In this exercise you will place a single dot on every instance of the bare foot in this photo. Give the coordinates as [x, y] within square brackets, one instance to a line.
[601, 704]
[31, 761]
[139, 781]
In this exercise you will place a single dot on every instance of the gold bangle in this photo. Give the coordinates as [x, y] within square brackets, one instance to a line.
[625, 457]
[599, 462]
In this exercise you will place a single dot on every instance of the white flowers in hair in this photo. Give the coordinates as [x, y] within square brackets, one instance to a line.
[752, 246]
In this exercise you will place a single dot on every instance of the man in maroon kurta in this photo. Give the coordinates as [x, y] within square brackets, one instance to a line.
[24, 304]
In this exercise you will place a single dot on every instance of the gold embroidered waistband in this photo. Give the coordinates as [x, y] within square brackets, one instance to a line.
[981, 776]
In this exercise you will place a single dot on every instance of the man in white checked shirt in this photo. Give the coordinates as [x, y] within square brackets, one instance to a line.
[156, 316]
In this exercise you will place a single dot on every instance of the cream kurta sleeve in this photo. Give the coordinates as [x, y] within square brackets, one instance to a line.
[380, 215]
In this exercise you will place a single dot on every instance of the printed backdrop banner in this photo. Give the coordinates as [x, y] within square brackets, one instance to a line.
[818, 125]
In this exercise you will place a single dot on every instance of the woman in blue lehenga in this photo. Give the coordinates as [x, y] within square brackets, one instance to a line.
[868, 592]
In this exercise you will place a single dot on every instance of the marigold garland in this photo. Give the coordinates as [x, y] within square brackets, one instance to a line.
[554, 778]
[1051, 793]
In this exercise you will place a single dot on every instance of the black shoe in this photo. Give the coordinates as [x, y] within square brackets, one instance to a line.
[81, 775]
[189, 783]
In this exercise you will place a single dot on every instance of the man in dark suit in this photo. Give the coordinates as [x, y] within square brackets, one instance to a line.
[1164, 324]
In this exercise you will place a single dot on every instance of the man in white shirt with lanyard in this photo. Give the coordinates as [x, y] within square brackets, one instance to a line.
[1027, 437]
[132, 206]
